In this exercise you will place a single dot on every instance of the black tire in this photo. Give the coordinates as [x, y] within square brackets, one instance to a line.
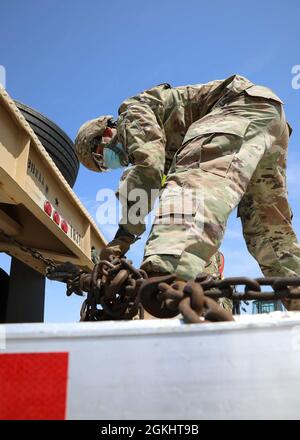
[55, 140]
[4, 286]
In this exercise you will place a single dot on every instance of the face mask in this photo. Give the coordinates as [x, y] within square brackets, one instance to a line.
[112, 157]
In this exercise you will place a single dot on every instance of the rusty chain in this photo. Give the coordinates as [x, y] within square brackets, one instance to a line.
[164, 297]
[112, 288]
[113, 292]
[196, 300]
[282, 288]
[116, 288]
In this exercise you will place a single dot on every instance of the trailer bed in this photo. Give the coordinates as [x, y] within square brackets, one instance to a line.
[159, 369]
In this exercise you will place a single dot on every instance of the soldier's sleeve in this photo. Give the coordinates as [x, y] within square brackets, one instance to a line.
[140, 129]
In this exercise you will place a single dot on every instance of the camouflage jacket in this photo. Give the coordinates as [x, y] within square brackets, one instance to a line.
[153, 125]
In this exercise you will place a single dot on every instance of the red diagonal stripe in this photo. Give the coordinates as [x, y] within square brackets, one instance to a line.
[33, 386]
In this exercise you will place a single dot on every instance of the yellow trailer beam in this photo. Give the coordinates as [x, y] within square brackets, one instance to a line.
[37, 206]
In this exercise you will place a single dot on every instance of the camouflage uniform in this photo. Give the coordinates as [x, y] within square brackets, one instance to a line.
[227, 138]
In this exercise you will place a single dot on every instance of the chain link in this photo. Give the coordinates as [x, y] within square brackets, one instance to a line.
[164, 297]
[116, 290]
[282, 288]
[112, 288]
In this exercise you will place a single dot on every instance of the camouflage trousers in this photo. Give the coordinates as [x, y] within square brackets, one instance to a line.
[236, 158]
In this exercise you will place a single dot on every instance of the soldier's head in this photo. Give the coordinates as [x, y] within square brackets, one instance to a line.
[97, 145]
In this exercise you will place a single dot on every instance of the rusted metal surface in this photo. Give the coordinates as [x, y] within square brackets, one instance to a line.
[112, 288]
[116, 290]
[165, 298]
[281, 287]
[196, 300]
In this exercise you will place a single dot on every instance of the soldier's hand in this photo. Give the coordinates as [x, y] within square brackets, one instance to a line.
[118, 246]
[62, 272]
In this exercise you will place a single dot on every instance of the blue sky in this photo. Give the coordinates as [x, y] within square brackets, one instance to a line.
[75, 60]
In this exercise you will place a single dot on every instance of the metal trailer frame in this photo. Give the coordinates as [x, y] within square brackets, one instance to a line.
[31, 185]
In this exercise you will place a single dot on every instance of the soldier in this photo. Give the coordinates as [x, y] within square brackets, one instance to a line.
[221, 145]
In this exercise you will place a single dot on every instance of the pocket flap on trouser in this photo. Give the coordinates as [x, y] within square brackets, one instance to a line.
[219, 138]
[177, 200]
[262, 92]
[211, 124]
[175, 223]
